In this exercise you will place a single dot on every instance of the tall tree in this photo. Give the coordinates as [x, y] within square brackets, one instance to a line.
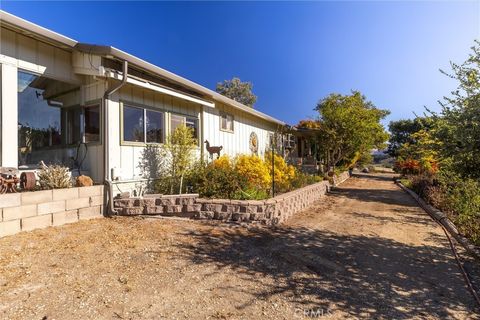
[458, 125]
[401, 132]
[349, 125]
[237, 90]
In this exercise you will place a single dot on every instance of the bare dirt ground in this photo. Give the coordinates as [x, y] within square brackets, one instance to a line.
[364, 251]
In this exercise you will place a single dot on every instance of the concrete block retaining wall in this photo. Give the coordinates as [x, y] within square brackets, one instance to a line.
[26, 211]
[341, 178]
[270, 211]
[183, 205]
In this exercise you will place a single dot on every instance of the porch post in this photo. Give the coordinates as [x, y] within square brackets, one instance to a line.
[9, 116]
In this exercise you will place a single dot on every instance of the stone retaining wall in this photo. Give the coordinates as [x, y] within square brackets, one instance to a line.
[26, 211]
[271, 211]
[180, 205]
[341, 178]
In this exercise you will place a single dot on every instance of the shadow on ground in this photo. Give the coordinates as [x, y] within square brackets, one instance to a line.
[394, 197]
[405, 216]
[362, 276]
[372, 176]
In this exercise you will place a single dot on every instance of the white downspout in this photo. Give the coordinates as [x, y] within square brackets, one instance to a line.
[106, 153]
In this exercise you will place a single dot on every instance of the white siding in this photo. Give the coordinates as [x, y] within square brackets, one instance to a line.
[36, 56]
[127, 157]
[19, 51]
[8, 116]
[238, 141]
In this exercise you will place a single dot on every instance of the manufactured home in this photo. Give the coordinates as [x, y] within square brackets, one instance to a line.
[96, 108]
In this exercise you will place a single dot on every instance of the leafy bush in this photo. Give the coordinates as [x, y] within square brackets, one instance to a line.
[458, 198]
[171, 162]
[246, 177]
[217, 179]
[255, 171]
[284, 174]
[408, 166]
[302, 179]
[251, 194]
[54, 177]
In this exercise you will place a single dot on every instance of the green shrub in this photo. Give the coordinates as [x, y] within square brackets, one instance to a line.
[458, 198]
[461, 200]
[251, 194]
[215, 180]
[303, 179]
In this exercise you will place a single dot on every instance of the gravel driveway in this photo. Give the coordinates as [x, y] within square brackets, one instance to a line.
[364, 251]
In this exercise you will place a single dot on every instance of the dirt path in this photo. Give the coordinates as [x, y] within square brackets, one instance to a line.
[364, 251]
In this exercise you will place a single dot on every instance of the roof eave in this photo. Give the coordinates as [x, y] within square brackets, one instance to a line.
[122, 55]
[36, 30]
[8, 19]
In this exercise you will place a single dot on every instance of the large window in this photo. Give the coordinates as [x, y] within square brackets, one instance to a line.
[226, 122]
[39, 120]
[141, 125]
[47, 116]
[190, 122]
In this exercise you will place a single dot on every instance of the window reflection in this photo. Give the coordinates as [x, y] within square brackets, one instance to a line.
[193, 124]
[154, 123]
[42, 124]
[133, 125]
[189, 122]
[92, 123]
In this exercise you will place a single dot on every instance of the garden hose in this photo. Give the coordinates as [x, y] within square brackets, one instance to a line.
[462, 269]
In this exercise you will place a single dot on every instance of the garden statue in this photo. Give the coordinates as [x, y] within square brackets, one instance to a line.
[212, 150]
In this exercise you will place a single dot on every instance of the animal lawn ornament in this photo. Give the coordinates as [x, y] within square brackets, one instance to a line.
[212, 150]
[8, 180]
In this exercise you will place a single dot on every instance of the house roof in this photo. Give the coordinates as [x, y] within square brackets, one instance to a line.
[33, 30]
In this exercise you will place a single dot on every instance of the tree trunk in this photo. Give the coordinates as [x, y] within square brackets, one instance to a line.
[181, 184]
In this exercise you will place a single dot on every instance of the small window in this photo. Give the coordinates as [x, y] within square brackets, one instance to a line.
[72, 131]
[226, 122]
[189, 122]
[133, 124]
[175, 122]
[92, 123]
[154, 124]
[193, 124]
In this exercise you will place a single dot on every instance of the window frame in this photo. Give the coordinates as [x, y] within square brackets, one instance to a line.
[64, 124]
[226, 114]
[92, 104]
[163, 126]
[185, 116]
[124, 142]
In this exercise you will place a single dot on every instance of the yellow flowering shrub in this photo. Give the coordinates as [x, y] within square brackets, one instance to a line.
[223, 162]
[254, 170]
[284, 174]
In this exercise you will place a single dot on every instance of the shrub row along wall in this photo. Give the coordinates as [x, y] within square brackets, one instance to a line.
[39, 209]
[271, 211]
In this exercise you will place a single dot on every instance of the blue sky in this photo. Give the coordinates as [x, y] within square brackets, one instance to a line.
[294, 52]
